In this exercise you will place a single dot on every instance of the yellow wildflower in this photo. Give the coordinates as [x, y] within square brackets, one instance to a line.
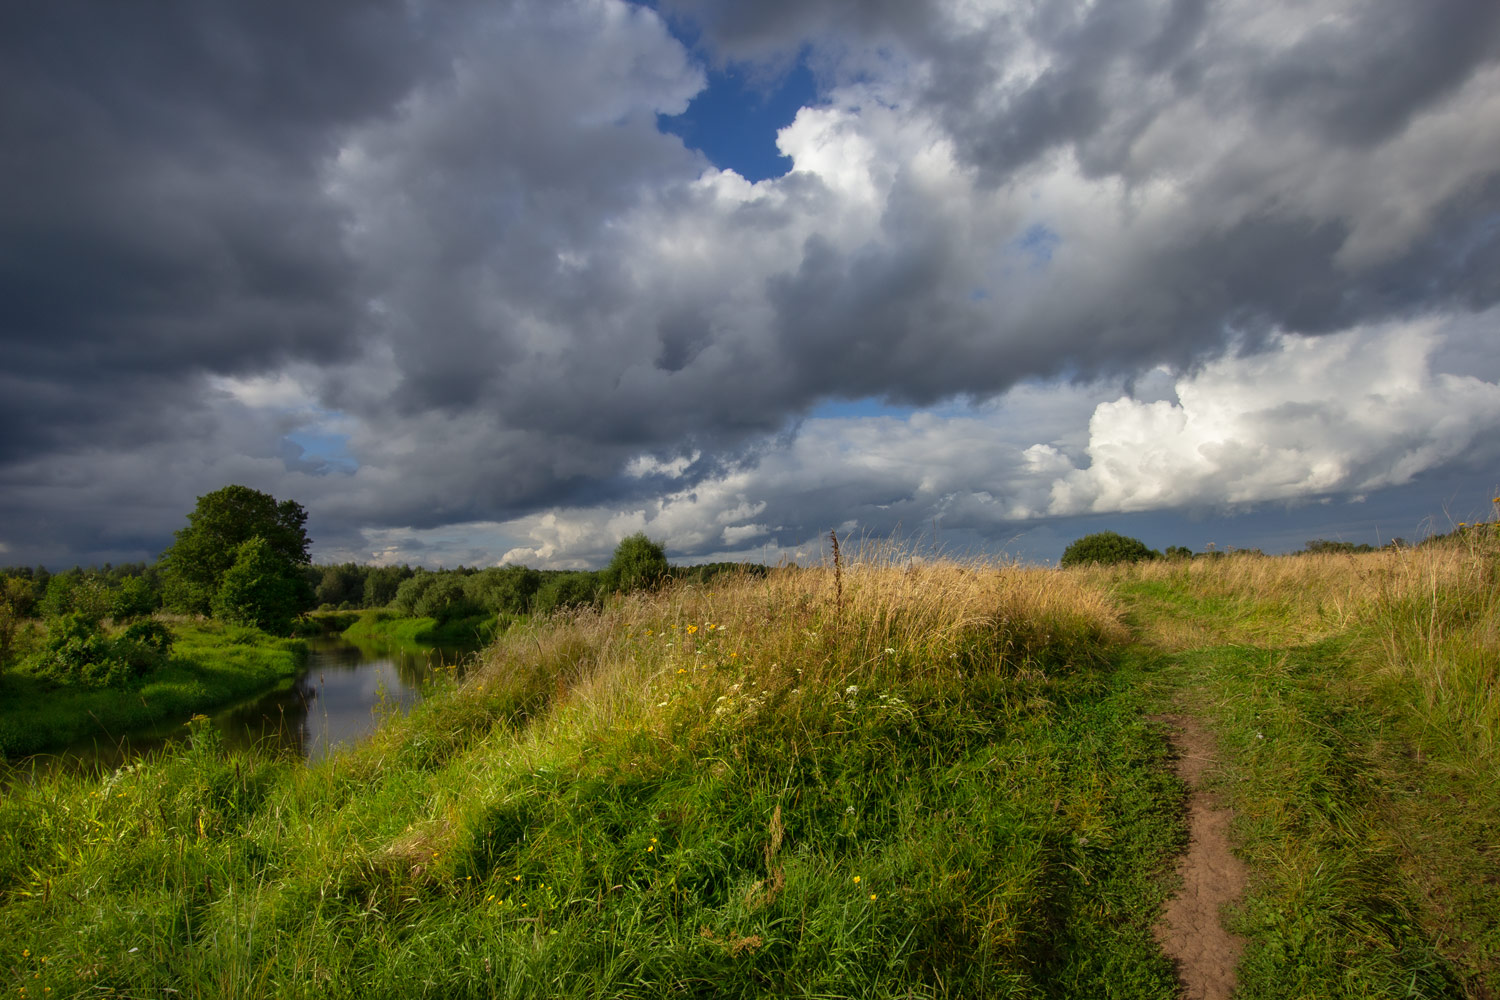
[856, 880]
[872, 897]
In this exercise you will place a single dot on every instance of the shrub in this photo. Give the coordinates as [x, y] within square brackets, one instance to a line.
[444, 600]
[133, 598]
[638, 563]
[566, 590]
[79, 654]
[1106, 548]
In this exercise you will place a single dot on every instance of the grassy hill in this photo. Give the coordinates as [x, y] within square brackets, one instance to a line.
[886, 778]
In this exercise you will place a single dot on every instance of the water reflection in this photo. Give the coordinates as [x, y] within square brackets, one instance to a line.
[338, 699]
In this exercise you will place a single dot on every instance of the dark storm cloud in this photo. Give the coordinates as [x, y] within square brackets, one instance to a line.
[460, 231]
[160, 199]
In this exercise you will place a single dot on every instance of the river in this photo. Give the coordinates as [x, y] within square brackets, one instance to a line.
[338, 699]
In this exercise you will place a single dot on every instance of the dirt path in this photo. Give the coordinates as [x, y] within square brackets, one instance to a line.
[1190, 931]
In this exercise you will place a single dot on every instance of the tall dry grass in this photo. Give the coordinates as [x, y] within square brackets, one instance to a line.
[882, 613]
[1425, 621]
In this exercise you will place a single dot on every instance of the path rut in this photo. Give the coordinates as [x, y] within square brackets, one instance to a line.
[1190, 930]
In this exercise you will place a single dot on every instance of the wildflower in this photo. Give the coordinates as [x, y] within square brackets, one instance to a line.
[872, 897]
[490, 898]
[852, 689]
[734, 656]
[25, 952]
[725, 628]
[691, 629]
[856, 880]
[890, 650]
[518, 878]
[682, 670]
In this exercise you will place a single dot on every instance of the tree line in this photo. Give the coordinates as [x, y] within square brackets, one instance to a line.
[243, 558]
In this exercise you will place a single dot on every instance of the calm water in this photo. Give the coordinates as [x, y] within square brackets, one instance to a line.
[337, 701]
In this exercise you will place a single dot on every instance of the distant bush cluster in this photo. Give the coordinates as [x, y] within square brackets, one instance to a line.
[1107, 548]
[447, 595]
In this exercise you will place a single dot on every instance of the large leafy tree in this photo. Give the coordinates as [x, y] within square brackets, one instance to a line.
[193, 568]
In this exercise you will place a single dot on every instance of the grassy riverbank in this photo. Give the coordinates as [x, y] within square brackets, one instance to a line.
[890, 780]
[381, 626]
[210, 665]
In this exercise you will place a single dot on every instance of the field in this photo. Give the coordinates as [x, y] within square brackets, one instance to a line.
[884, 778]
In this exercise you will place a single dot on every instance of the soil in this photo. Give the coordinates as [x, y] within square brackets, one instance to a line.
[1190, 930]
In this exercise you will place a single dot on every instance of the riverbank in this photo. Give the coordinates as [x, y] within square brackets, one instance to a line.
[866, 782]
[382, 626]
[889, 779]
[210, 665]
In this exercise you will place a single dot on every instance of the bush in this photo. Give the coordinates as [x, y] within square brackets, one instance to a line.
[1107, 548]
[566, 590]
[638, 563]
[410, 592]
[444, 600]
[133, 598]
[504, 590]
[79, 654]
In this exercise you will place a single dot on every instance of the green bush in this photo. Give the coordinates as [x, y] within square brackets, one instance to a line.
[444, 600]
[638, 563]
[567, 590]
[1106, 548]
[78, 653]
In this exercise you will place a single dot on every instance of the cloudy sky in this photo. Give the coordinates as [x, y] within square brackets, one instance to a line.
[509, 280]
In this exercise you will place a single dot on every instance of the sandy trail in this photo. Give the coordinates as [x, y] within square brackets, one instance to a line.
[1190, 930]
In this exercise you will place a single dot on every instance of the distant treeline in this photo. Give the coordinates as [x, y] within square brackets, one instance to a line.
[134, 589]
[448, 594]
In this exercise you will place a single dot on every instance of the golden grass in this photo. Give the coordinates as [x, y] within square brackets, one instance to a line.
[731, 647]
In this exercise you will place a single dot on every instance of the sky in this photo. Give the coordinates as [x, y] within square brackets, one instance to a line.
[506, 281]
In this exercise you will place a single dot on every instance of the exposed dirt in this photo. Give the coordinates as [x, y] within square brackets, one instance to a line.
[1190, 930]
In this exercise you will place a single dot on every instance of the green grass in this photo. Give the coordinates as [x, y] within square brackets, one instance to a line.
[210, 665]
[643, 804]
[1345, 697]
[380, 626]
[698, 792]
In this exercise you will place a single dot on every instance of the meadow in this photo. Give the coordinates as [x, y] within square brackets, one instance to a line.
[883, 778]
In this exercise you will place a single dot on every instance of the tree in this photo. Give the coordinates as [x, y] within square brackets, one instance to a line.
[263, 588]
[1106, 547]
[638, 562]
[193, 568]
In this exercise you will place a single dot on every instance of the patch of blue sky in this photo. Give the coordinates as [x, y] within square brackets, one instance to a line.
[1039, 242]
[323, 451]
[872, 406]
[734, 120]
